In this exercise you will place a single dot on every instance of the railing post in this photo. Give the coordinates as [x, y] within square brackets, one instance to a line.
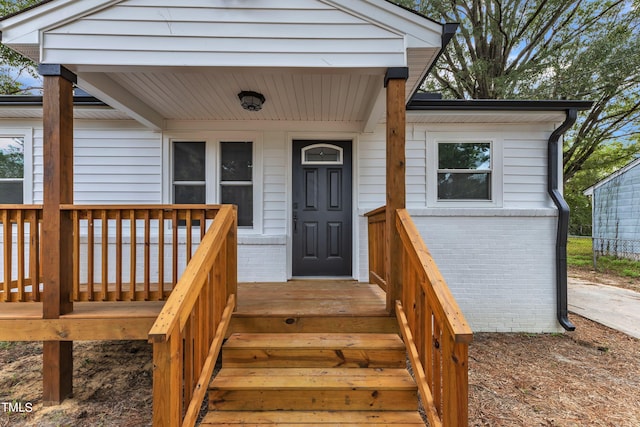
[167, 381]
[232, 256]
[395, 82]
[57, 244]
[456, 382]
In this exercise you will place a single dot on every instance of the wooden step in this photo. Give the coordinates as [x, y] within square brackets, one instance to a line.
[313, 418]
[314, 350]
[313, 389]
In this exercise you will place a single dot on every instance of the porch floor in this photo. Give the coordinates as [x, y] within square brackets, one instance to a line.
[311, 298]
[312, 306]
[294, 306]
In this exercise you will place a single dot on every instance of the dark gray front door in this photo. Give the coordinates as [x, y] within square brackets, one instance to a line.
[322, 208]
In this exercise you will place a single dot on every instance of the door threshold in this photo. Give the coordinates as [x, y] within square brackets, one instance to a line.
[310, 278]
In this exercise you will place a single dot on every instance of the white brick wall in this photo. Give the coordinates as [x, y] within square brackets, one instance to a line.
[500, 269]
[262, 262]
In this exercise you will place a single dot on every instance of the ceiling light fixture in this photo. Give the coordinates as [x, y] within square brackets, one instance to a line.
[251, 101]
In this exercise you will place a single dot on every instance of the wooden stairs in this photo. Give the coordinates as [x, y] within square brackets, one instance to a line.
[313, 379]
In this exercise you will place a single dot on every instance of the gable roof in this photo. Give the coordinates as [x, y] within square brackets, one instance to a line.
[589, 191]
[312, 59]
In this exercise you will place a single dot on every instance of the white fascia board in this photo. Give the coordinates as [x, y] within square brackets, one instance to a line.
[418, 30]
[108, 91]
[26, 27]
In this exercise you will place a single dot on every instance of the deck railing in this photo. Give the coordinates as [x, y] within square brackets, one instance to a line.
[120, 253]
[189, 331]
[433, 327]
[20, 252]
[377, 267]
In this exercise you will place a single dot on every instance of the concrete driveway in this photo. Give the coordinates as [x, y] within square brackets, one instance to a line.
[613, 307]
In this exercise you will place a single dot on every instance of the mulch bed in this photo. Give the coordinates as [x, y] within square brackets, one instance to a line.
[589, 377]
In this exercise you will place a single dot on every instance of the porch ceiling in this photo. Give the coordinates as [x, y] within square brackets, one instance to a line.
[212, 93]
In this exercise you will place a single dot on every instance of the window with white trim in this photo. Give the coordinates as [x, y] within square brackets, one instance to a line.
[12, 150]
[464, 170]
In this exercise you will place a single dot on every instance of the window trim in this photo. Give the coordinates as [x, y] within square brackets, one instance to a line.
[27, 178]
[496, 189]
[212, 174]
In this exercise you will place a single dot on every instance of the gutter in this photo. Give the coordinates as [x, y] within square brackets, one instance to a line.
[36, 101]
[553, 176]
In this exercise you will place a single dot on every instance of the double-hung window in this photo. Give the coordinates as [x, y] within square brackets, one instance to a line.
[12, 170]
[214, 172]
[236, 179]
[464, 171]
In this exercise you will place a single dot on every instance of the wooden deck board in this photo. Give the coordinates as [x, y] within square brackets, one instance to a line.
[85, 310]
[313, 418]
[299, 298]
[88, 321]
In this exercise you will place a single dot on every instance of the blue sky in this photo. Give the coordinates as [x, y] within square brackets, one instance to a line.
[24, 78]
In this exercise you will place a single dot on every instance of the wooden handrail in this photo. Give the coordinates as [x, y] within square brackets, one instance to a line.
[376, 220]
[127, 259]
[435, 330]
[20, 257]
[137, 256]
[188, 333]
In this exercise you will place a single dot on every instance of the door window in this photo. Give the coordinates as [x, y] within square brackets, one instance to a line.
[322, 154]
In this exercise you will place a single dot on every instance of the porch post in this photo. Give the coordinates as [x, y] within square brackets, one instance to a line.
[57, 247]
[395, 82]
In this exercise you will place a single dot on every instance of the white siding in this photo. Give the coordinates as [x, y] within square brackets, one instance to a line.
[274, 183]
[525, 169]
[119, 163]
[523, 164]
[218, 33]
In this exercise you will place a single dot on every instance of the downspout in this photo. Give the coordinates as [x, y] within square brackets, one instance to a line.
[553, 176]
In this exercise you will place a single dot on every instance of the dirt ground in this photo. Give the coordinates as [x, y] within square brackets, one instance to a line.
[589, 377]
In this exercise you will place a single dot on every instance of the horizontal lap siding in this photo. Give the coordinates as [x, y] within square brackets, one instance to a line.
[525, 170]
[215, 33]
[617, 207]
[274, 184]
[111, 166]
[372, 167]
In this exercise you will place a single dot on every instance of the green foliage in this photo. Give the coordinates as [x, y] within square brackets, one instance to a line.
[12, 158]
[10, 59]
[605, 160]
[580, 254]
[464, 155]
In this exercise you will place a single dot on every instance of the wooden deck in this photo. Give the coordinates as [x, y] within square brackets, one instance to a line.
[312, 306]
[295, 306]
[88, 321]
